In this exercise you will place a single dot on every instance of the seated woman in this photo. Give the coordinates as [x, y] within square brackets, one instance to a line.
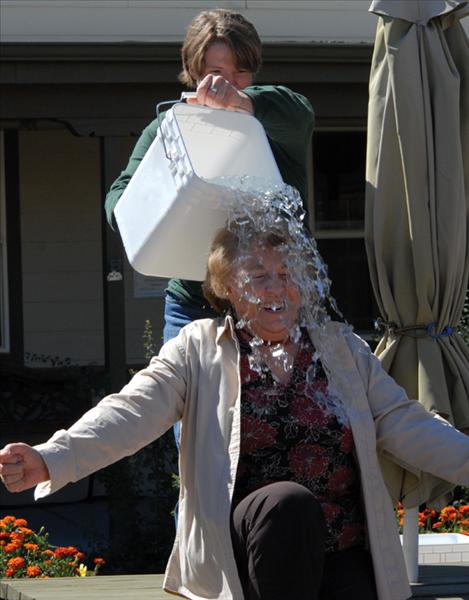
[283, 424]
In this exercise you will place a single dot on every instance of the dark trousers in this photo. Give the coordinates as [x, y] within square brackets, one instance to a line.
[278, 534]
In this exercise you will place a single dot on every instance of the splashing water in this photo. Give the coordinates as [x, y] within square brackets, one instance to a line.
[259, 206]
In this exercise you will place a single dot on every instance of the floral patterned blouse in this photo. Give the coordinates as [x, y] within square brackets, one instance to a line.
[290, 432]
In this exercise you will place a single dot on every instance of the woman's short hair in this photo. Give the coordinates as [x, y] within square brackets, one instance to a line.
[219, 25]
[224, 252]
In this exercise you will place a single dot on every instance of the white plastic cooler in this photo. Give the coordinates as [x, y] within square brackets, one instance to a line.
[168, 214]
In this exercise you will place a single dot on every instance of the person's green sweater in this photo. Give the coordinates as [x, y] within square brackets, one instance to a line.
[288, 120]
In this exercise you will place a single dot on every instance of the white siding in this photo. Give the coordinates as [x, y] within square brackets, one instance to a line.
[166, 20]
[61, 247]
[326, 21]
[62, 254]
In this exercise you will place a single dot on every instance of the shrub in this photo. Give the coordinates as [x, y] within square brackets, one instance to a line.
[24, 553]
[450, 519]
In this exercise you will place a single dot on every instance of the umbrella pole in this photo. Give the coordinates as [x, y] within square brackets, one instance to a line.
[410, 543]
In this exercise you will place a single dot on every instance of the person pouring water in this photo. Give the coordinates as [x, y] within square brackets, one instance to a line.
[221, 55]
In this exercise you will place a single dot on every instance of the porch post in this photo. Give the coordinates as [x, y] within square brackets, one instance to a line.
[113, 274]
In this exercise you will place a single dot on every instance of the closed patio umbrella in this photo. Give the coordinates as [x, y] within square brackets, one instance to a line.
[417, 203]
[417, 214]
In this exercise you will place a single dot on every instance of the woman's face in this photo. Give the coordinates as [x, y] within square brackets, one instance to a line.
[220, 60]
[262, 292]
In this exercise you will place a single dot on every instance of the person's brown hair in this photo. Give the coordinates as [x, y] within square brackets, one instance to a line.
[224, 251]
[219, 25]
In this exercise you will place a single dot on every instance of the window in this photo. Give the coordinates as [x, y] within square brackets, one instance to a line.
[4, 320]
[337, 221]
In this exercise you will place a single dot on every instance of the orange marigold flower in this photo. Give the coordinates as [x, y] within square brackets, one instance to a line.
[33, 571]
[464, 532]
[48, 552]
[99, 561]
[449, 513]
[62, 551]
[437, 525]
[464, 510]
[9, 519]
[31, 547]
[80, 556]
[10, 572]
[4, 535]
[464, 522]
[25, 531]
[12, 547]
[20, 523]
[17, 562]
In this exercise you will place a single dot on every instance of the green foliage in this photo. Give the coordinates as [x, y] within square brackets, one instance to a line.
[47, 398]
[25, 553]
[149, 345]
[450, 519]
[141, 502]
[461, 494]
[142, 495]
[34, 359]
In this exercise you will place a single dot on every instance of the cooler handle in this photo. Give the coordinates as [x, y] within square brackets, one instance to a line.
[182, 99]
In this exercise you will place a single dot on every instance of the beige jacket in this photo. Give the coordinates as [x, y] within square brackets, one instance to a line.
[196, 378]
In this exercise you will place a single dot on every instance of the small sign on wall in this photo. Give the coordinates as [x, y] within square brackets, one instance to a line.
[146, 286]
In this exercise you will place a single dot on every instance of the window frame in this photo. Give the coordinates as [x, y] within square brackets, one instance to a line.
[335, 233]
[5, 341]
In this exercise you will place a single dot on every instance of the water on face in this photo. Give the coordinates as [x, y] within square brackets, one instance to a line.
[257, 206]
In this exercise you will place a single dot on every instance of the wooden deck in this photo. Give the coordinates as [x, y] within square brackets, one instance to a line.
[102, 587]
[449, 582]
[442, 581]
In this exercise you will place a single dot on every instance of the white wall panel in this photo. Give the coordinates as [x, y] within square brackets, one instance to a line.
[165, 20]
[61, 246]
[162, 20]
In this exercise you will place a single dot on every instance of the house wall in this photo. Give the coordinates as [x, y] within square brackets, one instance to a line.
[166, 20]
[284, 21]
[61, 247]
[62, 254]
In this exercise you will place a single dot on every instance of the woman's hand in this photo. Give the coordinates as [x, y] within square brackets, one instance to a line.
[217, 92]
[22, 467]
